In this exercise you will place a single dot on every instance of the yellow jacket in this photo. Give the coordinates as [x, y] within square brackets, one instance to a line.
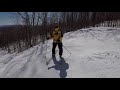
[57, 35]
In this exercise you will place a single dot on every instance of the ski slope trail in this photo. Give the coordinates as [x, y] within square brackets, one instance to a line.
[95, 53]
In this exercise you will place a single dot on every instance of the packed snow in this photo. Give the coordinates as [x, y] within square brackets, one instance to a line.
[95, 53]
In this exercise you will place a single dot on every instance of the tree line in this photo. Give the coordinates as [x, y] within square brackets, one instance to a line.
[33, 27]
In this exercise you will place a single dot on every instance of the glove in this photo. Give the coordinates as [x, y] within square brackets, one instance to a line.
[47, 38]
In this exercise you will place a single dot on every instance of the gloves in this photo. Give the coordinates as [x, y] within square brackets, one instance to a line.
[47, 38]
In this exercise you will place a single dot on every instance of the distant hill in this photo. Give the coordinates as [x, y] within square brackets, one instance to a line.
[6, 26]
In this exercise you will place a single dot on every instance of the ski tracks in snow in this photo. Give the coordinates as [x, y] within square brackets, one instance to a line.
[23, 64]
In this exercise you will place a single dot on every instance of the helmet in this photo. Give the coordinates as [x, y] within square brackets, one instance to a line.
[56, 25]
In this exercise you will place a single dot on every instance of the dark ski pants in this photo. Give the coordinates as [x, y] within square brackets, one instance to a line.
[59, 46]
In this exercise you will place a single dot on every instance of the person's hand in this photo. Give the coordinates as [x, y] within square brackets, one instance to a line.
[47, 38]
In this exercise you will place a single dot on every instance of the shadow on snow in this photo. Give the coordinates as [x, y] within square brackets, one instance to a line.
[60, 65]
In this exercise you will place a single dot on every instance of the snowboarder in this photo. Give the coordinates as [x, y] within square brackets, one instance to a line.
[57, 36]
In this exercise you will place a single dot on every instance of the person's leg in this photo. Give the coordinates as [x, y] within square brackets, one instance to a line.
[60, 48]
[53, 48]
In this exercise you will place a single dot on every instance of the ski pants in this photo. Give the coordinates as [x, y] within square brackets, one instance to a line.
[59, 46]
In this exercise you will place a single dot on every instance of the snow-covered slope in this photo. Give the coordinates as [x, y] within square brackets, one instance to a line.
[95, 53]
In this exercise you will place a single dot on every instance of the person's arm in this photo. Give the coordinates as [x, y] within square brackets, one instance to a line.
[61, 36]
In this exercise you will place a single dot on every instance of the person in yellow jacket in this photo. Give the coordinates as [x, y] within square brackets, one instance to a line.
[57, 36]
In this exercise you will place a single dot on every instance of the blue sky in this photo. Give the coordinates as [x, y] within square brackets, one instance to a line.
[6, 18]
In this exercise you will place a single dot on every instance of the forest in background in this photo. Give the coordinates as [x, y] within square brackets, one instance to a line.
[33, 27]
